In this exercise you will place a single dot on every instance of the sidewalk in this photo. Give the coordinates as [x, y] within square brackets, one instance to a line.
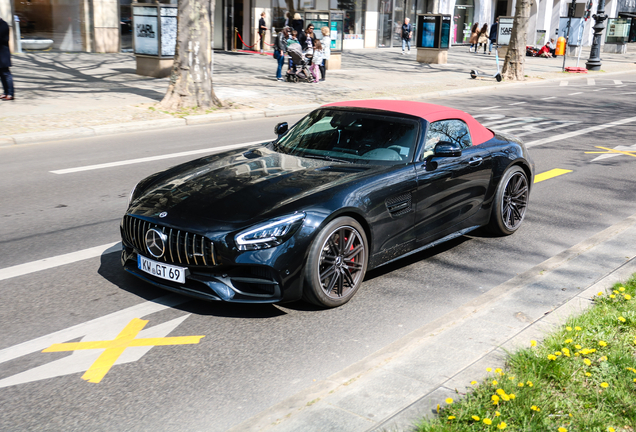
[66, 95]
[400, 384]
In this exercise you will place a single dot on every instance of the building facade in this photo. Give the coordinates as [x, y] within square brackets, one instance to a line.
[106, 25]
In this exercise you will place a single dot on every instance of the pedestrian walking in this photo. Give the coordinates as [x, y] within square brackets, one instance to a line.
[326, 51]
[483, 38]
[474, 35]
[5, 62]
[298, 24]
[493, 34]
[407, 34]
[316, 60]
[280, 48]
[262, 29]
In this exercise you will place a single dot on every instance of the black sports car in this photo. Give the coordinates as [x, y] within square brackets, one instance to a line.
[350, 187]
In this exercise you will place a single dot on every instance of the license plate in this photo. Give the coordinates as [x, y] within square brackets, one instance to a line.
[161, 270]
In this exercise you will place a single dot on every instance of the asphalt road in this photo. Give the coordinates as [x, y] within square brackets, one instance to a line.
[251, 357]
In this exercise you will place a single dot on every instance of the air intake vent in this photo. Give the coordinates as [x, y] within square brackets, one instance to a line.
[399, 205]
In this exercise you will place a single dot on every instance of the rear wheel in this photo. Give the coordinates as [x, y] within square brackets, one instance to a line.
[498, 77]
[336, 263]
[511, 201]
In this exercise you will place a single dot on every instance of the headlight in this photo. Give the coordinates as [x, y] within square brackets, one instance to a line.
[270, 234]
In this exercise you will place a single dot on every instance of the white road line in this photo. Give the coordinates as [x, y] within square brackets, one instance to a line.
[590, 81]
[551, 97]
[599, 89]
[572, 94]
[580, 132]
[618, 82]
[563, 83]
[492, 107]
[154, 158]
[517, 103]
[56, 261]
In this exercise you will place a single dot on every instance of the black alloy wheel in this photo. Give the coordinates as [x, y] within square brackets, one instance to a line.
[511, 202]
[337, 263]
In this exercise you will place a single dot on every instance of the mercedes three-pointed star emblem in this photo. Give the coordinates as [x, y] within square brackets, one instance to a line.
[155, 242]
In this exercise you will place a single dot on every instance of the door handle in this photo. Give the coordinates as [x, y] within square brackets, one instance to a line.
[475, 161]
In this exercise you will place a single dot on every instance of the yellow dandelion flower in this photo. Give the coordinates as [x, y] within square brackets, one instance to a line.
[498, 370]
[511, 378]
[587, 362]
[577, 328]
[602, 343]
[628, 297]
[488, 369]
[611, 429]
[494, 382]
[502, 425]
[451, 417]
[533, 343]
[568, 341]
[585, 351]
[562, 429]
[505, 397]
[576, 354]
[612, 296]
[600, 293]
[593, 350]
[557, 353]
[495, 399]
[551, 357]
[604, 358]
[512, 396]
[604, 385]
[476, 418]
[621, 319]
[449, 400]
[635, 380]
[501, 392]
[520, 384]
[577, 346]
[487, 421]
[529, 383]
[615, 292]
[438, 408]
[535, 408]
[621, 289]
[587, 374]
[566, 352]
[568, 328]
[497, 413]
[473, 382]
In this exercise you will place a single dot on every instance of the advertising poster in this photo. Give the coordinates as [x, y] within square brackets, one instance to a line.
[168, 31]
[446, 27]
[504, 30]
[146, 30]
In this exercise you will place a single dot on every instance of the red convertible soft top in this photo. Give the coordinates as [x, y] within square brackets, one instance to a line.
[429, 112]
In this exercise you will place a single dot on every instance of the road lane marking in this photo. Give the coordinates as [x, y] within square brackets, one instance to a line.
[550, 174]
[590, 81]
[580, 132]
[599, 89]
[618, 82]
[616, 151]
[551, 97]
[563, 83]
[113, 349]
[492, 107]
[572, 94]
[154, 158]
[56, 261]
[517, 103]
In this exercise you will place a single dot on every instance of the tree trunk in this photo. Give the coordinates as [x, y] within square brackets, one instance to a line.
[191, 78]
[516, 55]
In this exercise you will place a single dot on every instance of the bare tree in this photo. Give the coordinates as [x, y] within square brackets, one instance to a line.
[516, 55]
[191, 77]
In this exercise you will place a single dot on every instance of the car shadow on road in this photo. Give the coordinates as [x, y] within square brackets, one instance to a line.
[110, 269]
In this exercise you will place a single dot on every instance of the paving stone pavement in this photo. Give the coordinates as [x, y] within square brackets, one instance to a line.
[63, 91]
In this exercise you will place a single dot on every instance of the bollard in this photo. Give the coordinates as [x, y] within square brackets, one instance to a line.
[560, 46]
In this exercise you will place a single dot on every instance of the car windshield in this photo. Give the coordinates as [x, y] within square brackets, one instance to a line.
[348, 136]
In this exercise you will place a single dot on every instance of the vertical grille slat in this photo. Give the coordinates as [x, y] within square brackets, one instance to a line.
[197, 249]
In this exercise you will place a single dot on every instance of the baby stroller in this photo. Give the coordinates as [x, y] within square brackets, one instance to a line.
[302, 73]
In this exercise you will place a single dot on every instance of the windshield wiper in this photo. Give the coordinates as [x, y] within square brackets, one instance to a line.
[325, 157]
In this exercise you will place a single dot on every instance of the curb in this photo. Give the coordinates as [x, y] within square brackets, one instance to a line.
[117, 128]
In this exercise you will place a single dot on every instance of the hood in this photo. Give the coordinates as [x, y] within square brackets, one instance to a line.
[239, 186]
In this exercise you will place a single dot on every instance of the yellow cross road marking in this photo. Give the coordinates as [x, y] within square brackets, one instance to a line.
[609, 150]
[114, 348]
[550, 174]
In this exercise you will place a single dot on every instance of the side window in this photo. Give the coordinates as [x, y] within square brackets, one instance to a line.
[455, 131]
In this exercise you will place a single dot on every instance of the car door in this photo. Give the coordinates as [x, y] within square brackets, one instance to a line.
[450, 189]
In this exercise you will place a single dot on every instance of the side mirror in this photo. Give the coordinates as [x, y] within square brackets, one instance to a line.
[447, 149]
[281, 128]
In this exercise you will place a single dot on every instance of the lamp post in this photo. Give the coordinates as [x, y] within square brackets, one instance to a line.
[594, 62]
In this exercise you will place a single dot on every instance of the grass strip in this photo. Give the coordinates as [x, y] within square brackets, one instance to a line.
[581, 377]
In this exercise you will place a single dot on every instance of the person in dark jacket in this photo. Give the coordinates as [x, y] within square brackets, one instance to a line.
[493, 34]
[407, 34]
[262, 30]
[5, 62]
[280, 48]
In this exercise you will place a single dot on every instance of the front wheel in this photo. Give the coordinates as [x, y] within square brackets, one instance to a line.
[511, 201]
[336, 263]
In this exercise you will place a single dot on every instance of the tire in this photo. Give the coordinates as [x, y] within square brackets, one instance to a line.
[336, 264]
[473, 74]
[511, 202]
[498, 77]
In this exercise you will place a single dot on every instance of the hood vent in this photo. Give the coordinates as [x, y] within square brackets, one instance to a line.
[399, 205]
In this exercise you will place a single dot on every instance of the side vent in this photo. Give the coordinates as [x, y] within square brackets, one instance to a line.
[399, 205]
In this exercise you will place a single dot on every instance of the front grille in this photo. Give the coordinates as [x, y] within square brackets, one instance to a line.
[182, 247]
